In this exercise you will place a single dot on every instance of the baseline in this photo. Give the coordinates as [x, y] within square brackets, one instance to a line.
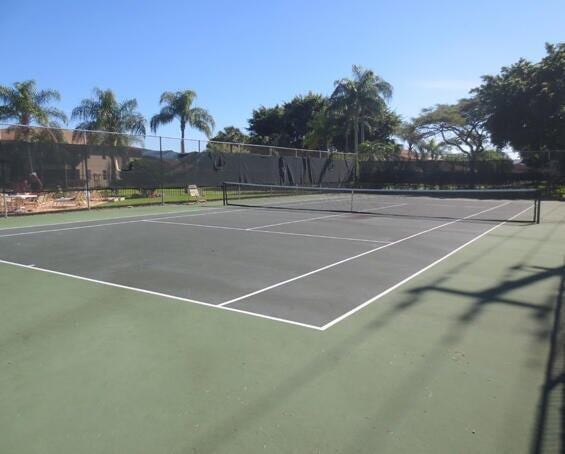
[163, 295]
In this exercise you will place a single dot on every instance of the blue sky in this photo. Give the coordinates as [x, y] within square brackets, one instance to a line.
[238, 55]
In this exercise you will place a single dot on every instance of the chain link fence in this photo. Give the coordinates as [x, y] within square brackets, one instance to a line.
[51, 169]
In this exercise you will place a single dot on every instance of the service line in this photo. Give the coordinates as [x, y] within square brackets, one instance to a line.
[354, 257]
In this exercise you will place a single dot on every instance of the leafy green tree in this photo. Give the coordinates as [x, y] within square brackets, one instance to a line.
[460, 126]
[417, 144]
[178, 105]
[359, 100]
[456, 157]
[231, 134]
[104, 113]
[25, 104]
[525, 105]
[266, 126]
[494, 155]
[326, 130]
[382, 125]
[285, 125]
[409, 134]
[380, 151]
[298, 115]
[430, 149]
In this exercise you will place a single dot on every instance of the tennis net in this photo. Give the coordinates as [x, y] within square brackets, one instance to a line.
[520, 205]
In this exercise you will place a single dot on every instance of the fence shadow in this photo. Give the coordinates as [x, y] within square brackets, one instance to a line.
[549, 432]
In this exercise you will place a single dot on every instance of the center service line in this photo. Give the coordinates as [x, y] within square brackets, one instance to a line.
[331, 265]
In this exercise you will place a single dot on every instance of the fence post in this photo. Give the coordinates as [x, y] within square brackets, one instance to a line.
[86, 173]
[357, 170]
[4, 195]
[161, 177]
[86, 180]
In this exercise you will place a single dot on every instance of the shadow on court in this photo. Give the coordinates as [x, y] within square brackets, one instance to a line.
[394, 404]
[549, 434]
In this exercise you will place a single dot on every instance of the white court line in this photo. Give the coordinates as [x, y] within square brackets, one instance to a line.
[159, 218]
[110, 218]
[417, 273]
[331, 265]
[6, 235]
[323, 217]
[90, 226]
[241, 311]
[313, 235]
[163, 295]
[175, 215]
[294, 222]
[207, 226]
[241, 229]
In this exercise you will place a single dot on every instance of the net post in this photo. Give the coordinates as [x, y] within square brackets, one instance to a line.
[224, 194]
[161, 177]
[351, 205]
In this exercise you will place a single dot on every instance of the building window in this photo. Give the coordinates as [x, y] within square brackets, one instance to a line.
[104, 174]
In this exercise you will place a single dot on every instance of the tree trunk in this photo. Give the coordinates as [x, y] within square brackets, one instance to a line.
[356, 135]
[182, 126]
[362, 132]
[25, 120]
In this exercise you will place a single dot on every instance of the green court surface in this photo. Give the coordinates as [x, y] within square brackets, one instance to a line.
[466, 357]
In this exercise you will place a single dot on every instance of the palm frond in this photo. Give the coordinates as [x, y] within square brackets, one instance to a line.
[26, 104]
[167, 97]
[162, 118]
[85, 110]
[45, 96]
[7, 94]
[202, 120]
[6, 112]
[128, 105]
[57, 114]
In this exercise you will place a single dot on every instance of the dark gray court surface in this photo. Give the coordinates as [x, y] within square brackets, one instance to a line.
[307, 268]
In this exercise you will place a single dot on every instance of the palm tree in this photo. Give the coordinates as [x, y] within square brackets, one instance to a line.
[179, 105]
[360, 99]
[26, 105]
[430, 149]
[104, 112]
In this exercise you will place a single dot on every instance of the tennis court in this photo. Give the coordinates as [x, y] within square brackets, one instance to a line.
[304, 258]
[421, 324]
